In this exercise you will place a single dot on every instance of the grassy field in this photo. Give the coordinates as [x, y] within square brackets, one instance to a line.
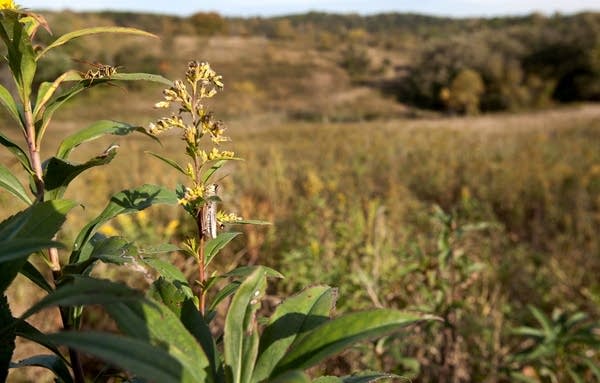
[353, 206]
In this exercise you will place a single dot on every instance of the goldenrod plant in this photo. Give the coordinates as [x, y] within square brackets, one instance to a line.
[165, 333]
[32, 232]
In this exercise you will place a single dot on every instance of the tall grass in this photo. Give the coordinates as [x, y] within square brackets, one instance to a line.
[352, 207]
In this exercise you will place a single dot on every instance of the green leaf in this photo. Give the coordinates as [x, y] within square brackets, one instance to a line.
[528, 331]
[13, 249]
[367, 377]
[212, 170]
[27, 331]
[249, 222]
[141, 77]
[42, 121]
[157, 324]
[169, 162]
[159, 249]
[36, 277]
[124, 202]
[59, 173]
[170, 273]
[240, 334]
[364, 377]
[333, 336]
[9, 103]
[21, 56]
[50, 362]
[197, 326]
[222, 294]
[294, 376]
[115, 250]
[7, 338]
[91, 31]
[139, 357]
[94, 131]
[168, 294]
[9, 182]
[593, 366]
[294, 317]
[41, 220]
[47, 90]
[85, 291]
[244, 271]
[17, 151]
[213, 246]
[328, 379]
[543, 320]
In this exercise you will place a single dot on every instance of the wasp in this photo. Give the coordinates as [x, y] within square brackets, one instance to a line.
[97, 72]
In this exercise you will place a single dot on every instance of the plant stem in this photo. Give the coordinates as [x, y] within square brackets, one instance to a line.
[36, 163]
[202, 275]
[34, 151]
[73, 354]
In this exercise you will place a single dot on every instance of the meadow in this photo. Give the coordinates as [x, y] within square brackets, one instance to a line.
[489, 221]
[353, 205]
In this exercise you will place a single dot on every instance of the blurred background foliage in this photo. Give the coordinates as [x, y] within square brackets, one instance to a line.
[370, 145]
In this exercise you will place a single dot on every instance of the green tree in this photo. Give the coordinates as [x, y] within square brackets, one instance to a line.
[465, 91]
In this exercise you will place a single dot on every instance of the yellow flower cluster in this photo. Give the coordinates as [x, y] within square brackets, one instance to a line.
[192, 195]
[7, 4]
[224, 218]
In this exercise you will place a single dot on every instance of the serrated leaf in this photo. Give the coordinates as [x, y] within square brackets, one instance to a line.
[7, 338]
[333, 336]
[95, 131]
[240, 337]
[156, 324]
[134, 355]
[293, 318]
[59, 173]
[124, 202]
[50, 362]
[85, 291]
[11, 184]
[27, 331]
[31, 273]
[213, 246]
[91, 31]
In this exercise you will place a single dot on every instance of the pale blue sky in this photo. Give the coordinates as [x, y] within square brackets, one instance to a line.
[278, 7]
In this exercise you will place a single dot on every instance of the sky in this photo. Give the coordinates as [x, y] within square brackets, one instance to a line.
[461, 8]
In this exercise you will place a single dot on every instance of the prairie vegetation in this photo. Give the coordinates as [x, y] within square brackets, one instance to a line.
[354, 151]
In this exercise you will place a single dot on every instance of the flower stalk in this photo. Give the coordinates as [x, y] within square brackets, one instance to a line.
[199, 197]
